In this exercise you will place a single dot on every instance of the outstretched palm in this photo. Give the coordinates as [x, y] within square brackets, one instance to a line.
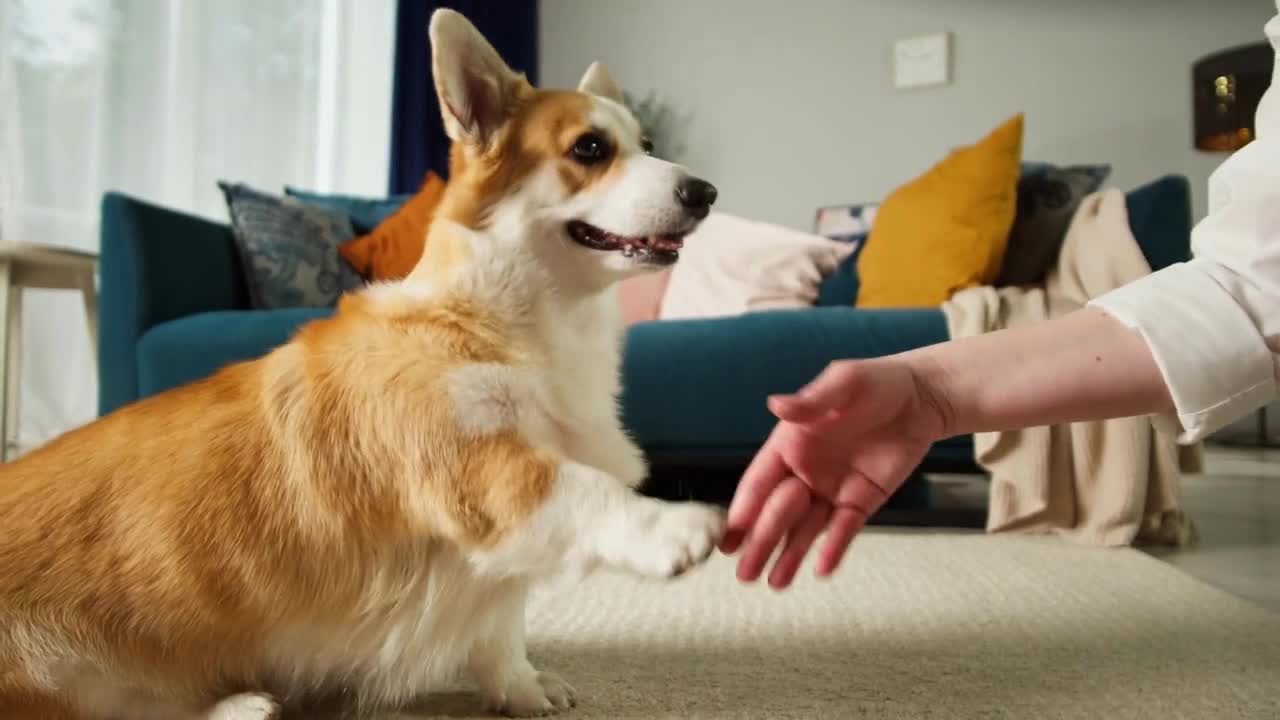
[842, 446]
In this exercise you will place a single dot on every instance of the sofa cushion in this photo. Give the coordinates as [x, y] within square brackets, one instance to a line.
[1047, 202]
[392, 249]
[187, 349]
[731, 265]
[841, 286]
[946, 230]
[289, 249]
[365, 212]
[1159, 215]
[699, 386]
[852, 224]
[847, 223]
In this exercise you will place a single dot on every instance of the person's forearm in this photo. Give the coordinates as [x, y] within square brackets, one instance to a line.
[1083, 366]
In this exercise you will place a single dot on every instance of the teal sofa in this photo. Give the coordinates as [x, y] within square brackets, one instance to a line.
[174, 308]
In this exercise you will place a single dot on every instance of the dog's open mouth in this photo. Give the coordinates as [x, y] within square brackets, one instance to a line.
[657, 249]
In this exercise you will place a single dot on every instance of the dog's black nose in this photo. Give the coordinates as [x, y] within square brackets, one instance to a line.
[697, 196]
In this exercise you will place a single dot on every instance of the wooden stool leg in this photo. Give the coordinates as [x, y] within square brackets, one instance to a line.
[5, 369]
[89, 292]
[13, 390]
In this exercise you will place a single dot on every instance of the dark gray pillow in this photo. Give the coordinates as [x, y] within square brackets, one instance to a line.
[289, 249]
[1047, 200]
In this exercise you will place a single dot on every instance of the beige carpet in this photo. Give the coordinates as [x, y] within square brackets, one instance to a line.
[915, 626]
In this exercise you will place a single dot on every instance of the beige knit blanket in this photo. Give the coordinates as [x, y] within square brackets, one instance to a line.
[1102, 483]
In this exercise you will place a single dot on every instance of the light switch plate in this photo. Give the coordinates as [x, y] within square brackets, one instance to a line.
[922, 61]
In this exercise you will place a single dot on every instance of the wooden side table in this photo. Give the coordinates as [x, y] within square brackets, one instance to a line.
[29, 265]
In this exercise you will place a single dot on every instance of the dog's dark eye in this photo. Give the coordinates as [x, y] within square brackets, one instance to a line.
[646, 145]
[591, 148]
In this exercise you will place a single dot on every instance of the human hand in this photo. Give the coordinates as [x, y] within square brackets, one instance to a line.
[843, 445]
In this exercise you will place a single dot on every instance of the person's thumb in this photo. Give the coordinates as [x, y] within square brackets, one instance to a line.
[829, 393]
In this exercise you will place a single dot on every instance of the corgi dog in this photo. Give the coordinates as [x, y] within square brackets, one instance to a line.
[363, 511]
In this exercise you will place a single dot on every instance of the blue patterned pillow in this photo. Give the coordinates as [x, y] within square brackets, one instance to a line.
[289, 249]
[366, 213]
[847, 223]
[851, 224]
[841, 286]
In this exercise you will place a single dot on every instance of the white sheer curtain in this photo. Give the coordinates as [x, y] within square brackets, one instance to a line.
[160, 99]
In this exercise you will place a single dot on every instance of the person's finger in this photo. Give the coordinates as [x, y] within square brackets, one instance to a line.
[833, 389]
[732, 540]
[861, 492]
[762, 476]
[846, 522]
[799, 540]
[876, 477]
[785, 507]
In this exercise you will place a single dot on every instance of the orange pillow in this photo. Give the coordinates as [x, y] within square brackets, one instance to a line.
[393, 248]
[948, 229]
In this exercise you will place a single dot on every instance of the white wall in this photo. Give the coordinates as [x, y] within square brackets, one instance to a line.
[790, 106]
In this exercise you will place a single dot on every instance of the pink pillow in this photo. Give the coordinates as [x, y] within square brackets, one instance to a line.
[731, 265]
[641, 297]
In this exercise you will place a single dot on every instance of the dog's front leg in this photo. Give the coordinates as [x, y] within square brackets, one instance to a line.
[246, 706]
[649, 537]
[591, 517]
[587, 518]
[500, 664]
[612, 450]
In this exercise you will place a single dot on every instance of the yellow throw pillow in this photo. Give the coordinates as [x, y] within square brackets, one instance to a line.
[946, 230]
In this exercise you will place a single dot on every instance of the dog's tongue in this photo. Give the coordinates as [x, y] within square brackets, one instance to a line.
[666, 242]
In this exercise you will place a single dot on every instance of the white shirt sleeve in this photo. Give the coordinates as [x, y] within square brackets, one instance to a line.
[1213, 324]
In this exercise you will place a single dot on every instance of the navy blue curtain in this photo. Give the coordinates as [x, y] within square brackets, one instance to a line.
[418, 142]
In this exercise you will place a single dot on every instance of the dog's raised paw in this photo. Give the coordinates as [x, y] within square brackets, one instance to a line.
[246, 706]
[542, 694]
[682, 535]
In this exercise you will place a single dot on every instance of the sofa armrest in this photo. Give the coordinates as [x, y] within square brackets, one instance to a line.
[156, 265]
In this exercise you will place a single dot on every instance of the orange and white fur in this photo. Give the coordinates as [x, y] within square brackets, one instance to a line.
[365, 508]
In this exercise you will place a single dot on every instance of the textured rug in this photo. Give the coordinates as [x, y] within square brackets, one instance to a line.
[913, 626]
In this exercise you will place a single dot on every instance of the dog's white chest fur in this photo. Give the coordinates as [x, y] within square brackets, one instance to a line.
[584, 352]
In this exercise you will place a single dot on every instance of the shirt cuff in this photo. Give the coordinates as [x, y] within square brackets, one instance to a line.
[1214, 361]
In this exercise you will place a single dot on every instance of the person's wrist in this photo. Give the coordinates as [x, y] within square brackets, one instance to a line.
[932, 383]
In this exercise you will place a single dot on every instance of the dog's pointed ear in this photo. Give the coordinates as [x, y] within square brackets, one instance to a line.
[598, 81]
[477, 89]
